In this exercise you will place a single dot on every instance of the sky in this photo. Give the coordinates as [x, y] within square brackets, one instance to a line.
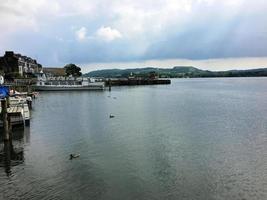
[97, 34]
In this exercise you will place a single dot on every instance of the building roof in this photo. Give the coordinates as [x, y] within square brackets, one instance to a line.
[54, 71]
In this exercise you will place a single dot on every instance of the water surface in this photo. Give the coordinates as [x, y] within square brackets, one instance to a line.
[194, 139]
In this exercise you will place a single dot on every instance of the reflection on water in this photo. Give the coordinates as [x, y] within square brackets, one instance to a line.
[197, 139]
[11, 152]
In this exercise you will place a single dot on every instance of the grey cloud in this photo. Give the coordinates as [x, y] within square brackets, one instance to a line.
[205, 32]
[6, 10]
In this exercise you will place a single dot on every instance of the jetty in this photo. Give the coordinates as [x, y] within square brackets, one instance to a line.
[15, 109]
[135, 81]
[18, 115]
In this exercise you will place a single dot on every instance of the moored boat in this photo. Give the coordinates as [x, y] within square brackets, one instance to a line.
[18, 112]
[68, 84]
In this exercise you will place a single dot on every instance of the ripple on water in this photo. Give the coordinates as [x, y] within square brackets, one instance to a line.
[199, 139]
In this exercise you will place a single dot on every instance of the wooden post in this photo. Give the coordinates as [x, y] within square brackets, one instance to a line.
[9, 121]
[5, 119]
[7, 150]
[109, 85]
[9, 128]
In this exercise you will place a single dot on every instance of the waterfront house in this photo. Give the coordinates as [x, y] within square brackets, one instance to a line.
[15, 65]
[54, 72]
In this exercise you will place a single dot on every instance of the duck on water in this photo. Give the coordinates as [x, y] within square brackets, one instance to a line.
[72, 156]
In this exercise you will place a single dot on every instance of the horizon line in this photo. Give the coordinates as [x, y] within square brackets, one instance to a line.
[213, 64]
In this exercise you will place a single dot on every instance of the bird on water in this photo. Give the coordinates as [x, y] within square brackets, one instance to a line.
[74, 156]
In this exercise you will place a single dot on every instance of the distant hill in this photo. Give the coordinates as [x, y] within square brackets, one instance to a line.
[175, 72]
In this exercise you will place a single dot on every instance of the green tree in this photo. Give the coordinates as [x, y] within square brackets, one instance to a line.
[72, 69]
[152, 74]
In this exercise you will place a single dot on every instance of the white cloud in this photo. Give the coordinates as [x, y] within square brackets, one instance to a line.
[108, 34]
[140, 17]
[19, 14]
[134, 18]
[142, 24]
[227, 2]
[81, 34]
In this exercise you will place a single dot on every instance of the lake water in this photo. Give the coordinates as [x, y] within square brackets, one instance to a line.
[194, 139]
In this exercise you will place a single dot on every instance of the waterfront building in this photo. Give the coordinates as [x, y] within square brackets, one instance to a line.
[54, 72]
[14, 65]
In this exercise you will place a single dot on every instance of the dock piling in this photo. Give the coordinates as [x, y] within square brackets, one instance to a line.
[5, 119]
[109, 85]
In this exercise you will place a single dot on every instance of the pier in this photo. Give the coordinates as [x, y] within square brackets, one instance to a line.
[15, 112]
[135, 81]
[5, 120]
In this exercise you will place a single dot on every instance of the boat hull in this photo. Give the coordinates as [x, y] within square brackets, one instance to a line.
[68, 88]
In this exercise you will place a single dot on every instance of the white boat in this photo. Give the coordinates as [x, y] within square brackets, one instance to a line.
[67, 84]
[22, 103]
[18, 111]
[26, 114]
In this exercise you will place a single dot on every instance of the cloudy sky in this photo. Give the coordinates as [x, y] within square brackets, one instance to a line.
[211, 34]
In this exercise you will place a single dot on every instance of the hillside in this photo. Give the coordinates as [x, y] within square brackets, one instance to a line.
[175, 72]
